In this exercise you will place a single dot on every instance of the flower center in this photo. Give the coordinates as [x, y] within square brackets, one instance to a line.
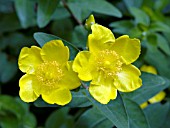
[108, 62]
[49, 74]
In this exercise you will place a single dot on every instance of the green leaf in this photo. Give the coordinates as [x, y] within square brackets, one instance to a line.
[151, 85]
[160, 62]
[60, 13]
[28, 121]
[78, 100]
[133, 3]
[166, 123]
[8, 121]
[79, 37]
[93, 119]
[7, 103]
[46, 9]
[163, 44]
[160, 5]
[136, 116]
[156, 114]
[25, 12]
[114, 110]
[159, 27]
[43, 38]
[59, 119]
[100, 6]
[122, 27]
[140, 16]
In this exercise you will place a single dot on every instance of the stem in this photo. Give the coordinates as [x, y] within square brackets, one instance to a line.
[84, 86]
[68, 9]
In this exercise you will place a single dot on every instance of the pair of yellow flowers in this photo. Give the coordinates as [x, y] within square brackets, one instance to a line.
[107, 64]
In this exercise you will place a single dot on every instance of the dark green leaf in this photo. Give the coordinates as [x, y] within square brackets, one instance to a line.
[151, 85]
[114, 110]
[79, 37]
[6, 6]
[140, 16]
[133, 3]
[25, 12]
[135, 114]
[43, 38]
[159, 27]
[100, 6]
[93, 119]
[156, 114]
[60, 13]
[59, 119]
[46, 9]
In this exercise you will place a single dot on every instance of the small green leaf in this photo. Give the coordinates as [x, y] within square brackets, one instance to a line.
[25, 12]
[140, 16]
[43, 38]
[93, 119]
[59, 119]
[46, 9]
[114, 110]
[156, 114]
[152, 84]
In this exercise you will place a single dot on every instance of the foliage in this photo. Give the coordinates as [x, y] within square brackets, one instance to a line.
[34, 22]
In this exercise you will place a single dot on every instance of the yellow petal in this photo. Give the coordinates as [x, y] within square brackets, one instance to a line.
[61, 96]
[128, 49]
[158, 97]
[55, 51]
[103, 93]
[70, 79]
[26, 92]
[29, 59]
[100, 38]
[144, 105]
[128, 79]
[149, 69]
[82, 66]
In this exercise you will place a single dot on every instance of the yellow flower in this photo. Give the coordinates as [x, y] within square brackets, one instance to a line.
[158, 97]
[48, 73]
[108, 64]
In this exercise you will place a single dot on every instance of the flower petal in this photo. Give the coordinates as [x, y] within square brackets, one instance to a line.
[61, 96]
[128, 49]
[82, 66]
[29, 59]
[144, 105]
[128, 79]
[26, 92]
[149, 69]
[103, 93]
[70, 79]
[158, 97]
[100, 38]
[55, 51]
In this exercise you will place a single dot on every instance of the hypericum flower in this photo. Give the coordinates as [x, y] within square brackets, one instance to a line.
[158, 97]
[108, 64]
[48, 73]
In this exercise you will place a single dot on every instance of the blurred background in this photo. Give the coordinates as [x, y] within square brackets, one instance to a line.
[147, 20]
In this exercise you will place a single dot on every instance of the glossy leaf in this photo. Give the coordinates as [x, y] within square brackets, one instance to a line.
[156, 114]
[46, 9]
[114, 110]
[25, 12]
[59, 119]
[93, 119]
